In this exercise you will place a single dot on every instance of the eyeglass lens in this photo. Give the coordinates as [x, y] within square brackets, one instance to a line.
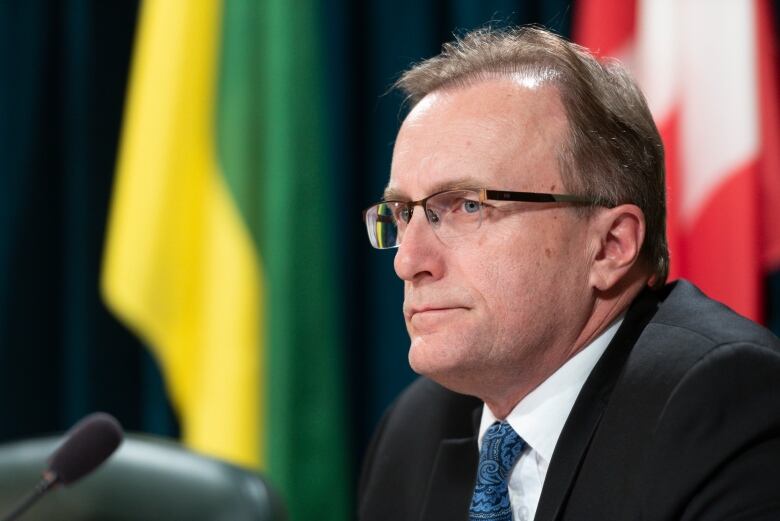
[450, 214]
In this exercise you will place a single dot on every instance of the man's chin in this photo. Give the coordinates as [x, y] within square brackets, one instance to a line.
[442, 366]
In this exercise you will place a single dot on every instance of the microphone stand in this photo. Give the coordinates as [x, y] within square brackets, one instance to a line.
[44, 485]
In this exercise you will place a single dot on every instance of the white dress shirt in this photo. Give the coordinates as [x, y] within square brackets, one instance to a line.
[538, 419]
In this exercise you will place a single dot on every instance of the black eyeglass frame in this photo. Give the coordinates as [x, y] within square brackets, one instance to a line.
[486, 194]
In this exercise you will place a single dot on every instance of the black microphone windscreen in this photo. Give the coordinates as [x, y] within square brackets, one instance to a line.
[87, 444]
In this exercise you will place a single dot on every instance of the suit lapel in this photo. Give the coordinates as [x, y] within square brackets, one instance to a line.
[567, 457]
[452, 479]
[588, 409]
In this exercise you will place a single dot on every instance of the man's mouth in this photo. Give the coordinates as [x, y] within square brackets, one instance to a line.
[432, 314]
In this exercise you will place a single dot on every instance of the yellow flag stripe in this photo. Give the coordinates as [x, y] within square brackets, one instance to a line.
[180, 267]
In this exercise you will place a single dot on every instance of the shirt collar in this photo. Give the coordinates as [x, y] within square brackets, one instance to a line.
[539, 417]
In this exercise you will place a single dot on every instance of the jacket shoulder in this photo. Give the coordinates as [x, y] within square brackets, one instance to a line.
[402, 452]
[694, 393]
[685, 313]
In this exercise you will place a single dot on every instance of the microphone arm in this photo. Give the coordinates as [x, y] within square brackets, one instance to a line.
[47, 482]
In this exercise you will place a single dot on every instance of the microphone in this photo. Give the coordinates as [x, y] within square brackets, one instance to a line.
[87, 444]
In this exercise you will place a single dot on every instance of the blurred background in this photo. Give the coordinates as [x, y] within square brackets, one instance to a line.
[181, 186]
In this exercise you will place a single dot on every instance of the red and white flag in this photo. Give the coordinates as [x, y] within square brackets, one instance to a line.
[708, 71]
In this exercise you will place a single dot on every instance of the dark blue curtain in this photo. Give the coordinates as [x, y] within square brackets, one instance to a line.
[64, 68]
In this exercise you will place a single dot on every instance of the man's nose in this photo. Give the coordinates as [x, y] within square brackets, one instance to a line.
[420, 253]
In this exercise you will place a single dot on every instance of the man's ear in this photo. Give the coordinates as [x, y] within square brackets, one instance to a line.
[618, 235]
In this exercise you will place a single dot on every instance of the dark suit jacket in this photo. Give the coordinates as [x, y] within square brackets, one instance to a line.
[679, 420]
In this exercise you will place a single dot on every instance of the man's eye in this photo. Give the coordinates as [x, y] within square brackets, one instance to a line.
[470, 206]
[405, 214]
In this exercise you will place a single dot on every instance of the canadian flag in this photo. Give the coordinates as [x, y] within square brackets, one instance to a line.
[708, 71]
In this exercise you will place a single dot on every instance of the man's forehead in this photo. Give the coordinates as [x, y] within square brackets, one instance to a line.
[535, 92]
[471, 136]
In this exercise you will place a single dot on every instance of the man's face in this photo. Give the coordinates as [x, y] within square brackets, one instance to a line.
[507, 300]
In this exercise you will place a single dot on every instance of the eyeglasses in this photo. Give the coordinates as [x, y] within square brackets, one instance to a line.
[451, 213]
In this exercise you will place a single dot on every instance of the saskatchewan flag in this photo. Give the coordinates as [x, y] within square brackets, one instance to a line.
[218, 251]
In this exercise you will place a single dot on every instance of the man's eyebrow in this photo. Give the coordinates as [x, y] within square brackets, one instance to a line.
[465, 183]
[392, 194]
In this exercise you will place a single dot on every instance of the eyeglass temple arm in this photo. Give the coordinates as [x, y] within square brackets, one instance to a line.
[535, 197]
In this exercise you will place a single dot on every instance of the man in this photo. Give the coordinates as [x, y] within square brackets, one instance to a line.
[562, 378]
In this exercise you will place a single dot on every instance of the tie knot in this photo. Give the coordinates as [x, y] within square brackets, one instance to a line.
[501, 446]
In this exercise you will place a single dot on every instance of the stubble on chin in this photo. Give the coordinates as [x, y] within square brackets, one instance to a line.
[446, 364]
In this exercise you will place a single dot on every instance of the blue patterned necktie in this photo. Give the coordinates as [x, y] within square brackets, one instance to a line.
[501, 446]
